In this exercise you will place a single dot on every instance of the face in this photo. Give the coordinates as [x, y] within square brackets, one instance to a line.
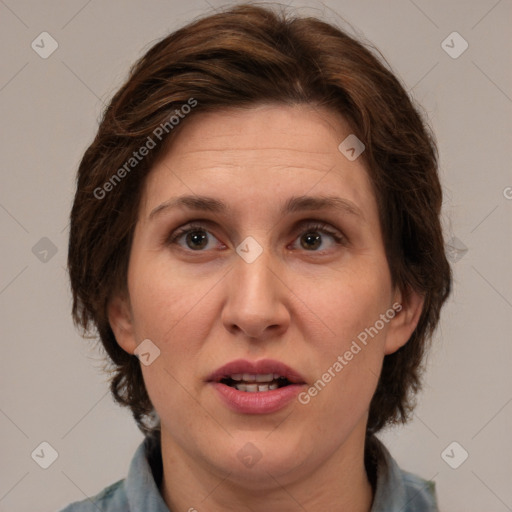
[274, 261]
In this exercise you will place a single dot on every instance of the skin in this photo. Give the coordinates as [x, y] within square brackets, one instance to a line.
[298, 302]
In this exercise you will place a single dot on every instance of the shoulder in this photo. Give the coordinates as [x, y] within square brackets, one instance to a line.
[420, 493]
[396, 489]
[138, 491]
[108, 500]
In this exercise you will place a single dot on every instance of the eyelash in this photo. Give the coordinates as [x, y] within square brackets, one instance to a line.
[307, 227]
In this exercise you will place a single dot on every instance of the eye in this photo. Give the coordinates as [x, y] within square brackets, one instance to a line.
[312, 237]
[196, 237]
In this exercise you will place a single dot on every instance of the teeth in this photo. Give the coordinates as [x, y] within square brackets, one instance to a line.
[267, 377]
[252, 388]
[252, 383]
[250, 377]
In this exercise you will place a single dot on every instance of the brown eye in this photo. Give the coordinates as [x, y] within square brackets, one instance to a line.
[197, 239]
[318, 237]
[192, 237]
[311, 241]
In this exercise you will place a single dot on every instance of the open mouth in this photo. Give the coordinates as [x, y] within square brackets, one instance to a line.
[252, 383]
[264, 386]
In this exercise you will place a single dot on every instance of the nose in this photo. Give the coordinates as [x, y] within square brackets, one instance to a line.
[256, 305]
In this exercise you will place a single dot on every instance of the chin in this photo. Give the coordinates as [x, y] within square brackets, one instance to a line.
[256, 463]
[264, 474]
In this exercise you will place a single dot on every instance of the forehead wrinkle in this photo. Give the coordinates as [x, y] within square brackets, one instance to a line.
[256, 157]
[252, 149]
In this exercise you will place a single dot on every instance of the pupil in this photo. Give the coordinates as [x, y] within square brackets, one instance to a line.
[198, 239]
[312, 240]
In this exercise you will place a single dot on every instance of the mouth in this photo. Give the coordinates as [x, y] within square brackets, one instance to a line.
[256, 376]
[256, 387]
[252, 383]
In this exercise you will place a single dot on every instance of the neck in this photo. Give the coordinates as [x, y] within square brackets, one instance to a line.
[340, 483]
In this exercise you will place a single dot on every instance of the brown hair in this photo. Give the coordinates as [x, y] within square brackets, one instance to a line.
[244, 56]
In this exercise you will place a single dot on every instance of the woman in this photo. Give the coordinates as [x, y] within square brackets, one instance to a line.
[256, 239]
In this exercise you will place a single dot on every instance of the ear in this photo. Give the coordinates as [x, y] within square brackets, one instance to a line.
[408, 310]
[121, 323]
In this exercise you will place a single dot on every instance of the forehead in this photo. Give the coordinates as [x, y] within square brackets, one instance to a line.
[260, 155]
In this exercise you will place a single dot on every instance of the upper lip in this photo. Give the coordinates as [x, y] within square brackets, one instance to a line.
[263, 366]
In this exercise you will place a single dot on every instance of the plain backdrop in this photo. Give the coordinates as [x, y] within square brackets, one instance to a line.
[52, 387]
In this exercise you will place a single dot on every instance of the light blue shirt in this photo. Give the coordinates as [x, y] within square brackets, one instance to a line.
[396, 490]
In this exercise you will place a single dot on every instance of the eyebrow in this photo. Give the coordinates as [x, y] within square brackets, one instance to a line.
[292, 205]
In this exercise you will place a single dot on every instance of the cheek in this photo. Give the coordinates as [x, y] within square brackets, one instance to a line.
[349, 354]
[162, 297]
[347, 303]
[169, 309]
[175, 311]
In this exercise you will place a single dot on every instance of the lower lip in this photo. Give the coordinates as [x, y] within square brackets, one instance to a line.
[259, 402]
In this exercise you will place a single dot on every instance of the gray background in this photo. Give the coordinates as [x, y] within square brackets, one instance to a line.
[52, 388]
